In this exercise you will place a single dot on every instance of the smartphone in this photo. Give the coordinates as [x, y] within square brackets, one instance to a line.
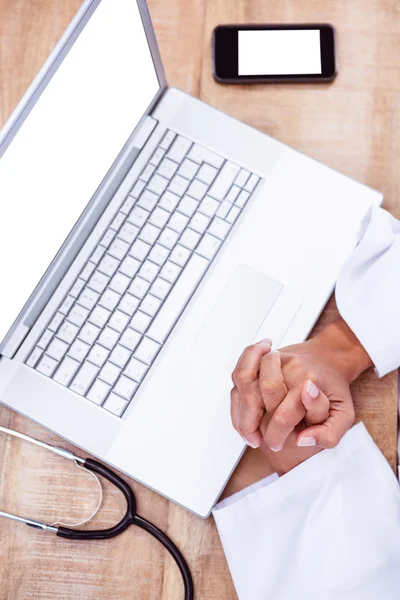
[274, 53]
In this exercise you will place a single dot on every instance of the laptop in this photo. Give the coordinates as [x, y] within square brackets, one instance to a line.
[145, 239]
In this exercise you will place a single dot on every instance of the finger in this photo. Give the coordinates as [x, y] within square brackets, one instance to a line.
[287, 416]
[316, 404]
[251, 411]
[329, 434]
[272, 385]
[248, 366]
[235, 403]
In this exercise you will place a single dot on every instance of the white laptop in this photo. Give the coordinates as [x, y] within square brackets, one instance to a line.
[145, 239]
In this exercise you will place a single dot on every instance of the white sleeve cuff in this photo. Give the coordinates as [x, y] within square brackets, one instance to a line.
[329, 528]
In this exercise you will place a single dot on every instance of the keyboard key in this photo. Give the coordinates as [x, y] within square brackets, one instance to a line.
[87, 271]
[138, 216]
[188, 206]
[224, 209]
[66, 371]
[84, 378]
[99, 316]
[150, 305]
[115, 405]
[178, 222]
[179, 149]
[118, 248]
[168, 238]
[125, 387]
[149, 271]
[89, 333]
[233, 215]
[108, 338]
[78, 315]
[109, 299]
[34, 357]
[108, 237]
[98, 392]
[177, 299]
[136, 370]
[170, 272]
[188, 169]
[98, 355]
[180, 255]
[199, 222]
[224, 181]
[67, 332]
[118, 321]
[56, 321]
[130, 338]
[57, 349]
[169, 201]
[167, 140]
[110, 373]
[219, 228]
[139, 287]
[129, 267]
[159, 255]
[98, 281]
[66, 305]
[45, 339]
[157, 157]
[189, 238]
[79, 350]
[120, 356]
[208, 246]
[160, 288]
[140, 322]
[167, 168]
[47, 366]
[157, 184]
[147, 351]
[128, 304]
[128, 233]
[232, 194]
[159, 217]
[242, 199]
[251, 184]
[209, 206]
[119, 219]
[242, 178]
[199, 155]
[148, 200]
[97, 254]
[207, 174]
[149, 234]
[140, 250]
[178, 185]
[128, 205]
[120, 283]
[197, 189]
[147, 173]
[108, 265]
[137, 189]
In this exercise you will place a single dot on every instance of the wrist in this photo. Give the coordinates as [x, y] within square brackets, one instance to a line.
[345, 350]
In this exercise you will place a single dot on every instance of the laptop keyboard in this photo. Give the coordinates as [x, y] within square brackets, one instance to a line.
[116, 317]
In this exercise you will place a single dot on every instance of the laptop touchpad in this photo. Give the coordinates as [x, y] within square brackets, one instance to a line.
[236, 317]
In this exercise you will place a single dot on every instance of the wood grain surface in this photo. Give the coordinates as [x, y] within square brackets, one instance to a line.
[351, 125]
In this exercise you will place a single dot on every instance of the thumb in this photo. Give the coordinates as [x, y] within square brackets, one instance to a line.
[316, 404]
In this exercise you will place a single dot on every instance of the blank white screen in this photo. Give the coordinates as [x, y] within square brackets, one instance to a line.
[66, 146]
[280, 52]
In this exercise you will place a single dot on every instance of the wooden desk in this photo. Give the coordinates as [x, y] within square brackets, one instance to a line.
[351, 125]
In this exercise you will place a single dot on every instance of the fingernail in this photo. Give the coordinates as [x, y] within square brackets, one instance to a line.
[307, 441]
[266, 341]
[276, 449]
[312, 389]
[251, 444]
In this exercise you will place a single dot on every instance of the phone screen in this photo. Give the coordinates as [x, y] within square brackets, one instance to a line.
[279, 52]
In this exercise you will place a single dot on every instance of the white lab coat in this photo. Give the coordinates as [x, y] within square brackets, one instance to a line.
[330, 528]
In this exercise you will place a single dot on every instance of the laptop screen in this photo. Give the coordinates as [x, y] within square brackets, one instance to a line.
[67, 144]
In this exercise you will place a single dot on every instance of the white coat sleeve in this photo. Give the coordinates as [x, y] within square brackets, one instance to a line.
[329, 529]
[368, 290]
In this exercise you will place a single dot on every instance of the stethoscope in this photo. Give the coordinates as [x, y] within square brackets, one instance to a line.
[131, 517]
